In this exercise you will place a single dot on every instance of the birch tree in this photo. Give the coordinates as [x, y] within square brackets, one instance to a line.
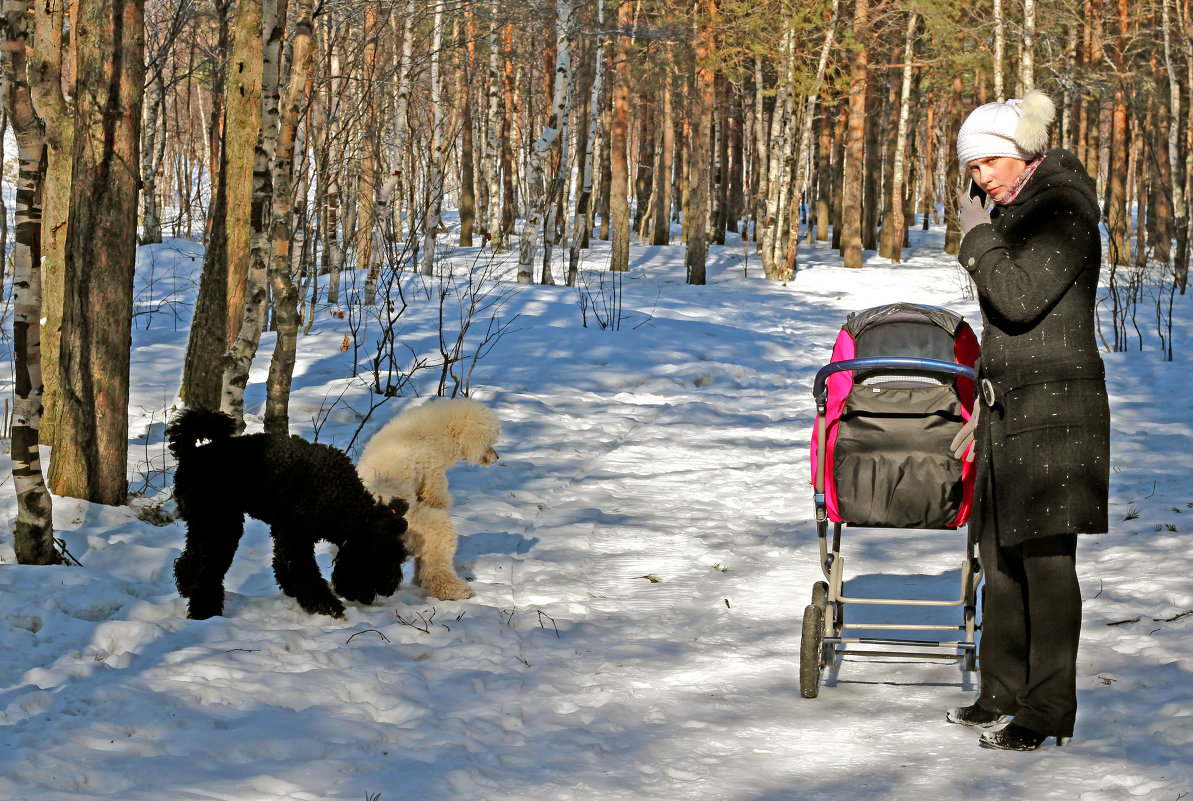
[33, 534]
[580, 230]
[805, 144]
[438, 145]
[285, 295]
[893, 222]
[537, 161]
[239, 358]
[493, 132]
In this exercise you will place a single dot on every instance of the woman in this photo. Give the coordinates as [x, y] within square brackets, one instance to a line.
[1042, 434]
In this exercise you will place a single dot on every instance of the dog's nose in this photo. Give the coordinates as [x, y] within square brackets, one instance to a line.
[490, 456]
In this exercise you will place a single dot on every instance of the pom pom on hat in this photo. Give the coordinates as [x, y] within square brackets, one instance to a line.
[1017, 128]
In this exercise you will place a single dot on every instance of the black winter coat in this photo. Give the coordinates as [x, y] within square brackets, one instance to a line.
[1044, 447]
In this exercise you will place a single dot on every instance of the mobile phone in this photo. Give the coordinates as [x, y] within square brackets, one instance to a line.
[976, 192]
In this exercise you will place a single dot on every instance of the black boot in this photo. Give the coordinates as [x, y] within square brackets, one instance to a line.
[1016, 738]
[976, 716]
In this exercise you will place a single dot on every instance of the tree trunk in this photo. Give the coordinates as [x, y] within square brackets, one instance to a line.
[438, 146]
[91, 445]
[242, 126]
[581, 231]
[1000, 43]
[619, 189]
[46, 79]
[537, 162]
[493, 132]
[1117, 220]
[661, 233]
[1027, 64]
[952, 179]
[33, 532]
[893, 224]
[151, 222]
[207, 339]
[696, 258]
[464, 75]
[805, 145]
[285, 295]
[1175, 173]
[509, 210]
[368, 180]
[239, 358]
[852, 177]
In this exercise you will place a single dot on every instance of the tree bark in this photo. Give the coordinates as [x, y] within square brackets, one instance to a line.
[239, 357]
[580, 233]
[91, 446]
[33, 533]
[619, 140]
[696, 258]
[852, 178]
[661, 233]
[893, 222]
[438, 146]
[242, 125]
[537, 162]
[45, 73]
[285, 295]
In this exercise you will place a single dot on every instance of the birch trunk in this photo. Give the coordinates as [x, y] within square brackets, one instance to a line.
[33, 533]
[560, 117]
[1000, 44]
[581, 232]
[239, 357]
[151, 222]
[894, 220]
[537, 161]
[762, 189]
[1027, 68]
[367, 255]
[802, 153]
[438, 146]
[285, 295]
[780, 137]
[493, 132]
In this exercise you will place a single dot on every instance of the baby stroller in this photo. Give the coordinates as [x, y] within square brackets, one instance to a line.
[899, 387]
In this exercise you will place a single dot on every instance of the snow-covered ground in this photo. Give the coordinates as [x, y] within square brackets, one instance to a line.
[641, 555]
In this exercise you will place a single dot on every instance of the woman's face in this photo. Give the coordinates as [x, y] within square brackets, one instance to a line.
[996, 174]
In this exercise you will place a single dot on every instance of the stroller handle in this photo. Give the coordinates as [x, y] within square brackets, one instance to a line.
[889, 362]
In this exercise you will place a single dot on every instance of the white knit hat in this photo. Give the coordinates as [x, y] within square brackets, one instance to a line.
[1016, 128]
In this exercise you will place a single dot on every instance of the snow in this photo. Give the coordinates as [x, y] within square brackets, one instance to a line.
[641, 555]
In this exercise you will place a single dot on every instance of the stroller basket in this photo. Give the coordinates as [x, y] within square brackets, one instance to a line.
[898, 388]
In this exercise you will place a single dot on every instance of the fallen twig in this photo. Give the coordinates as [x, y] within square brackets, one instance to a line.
[363, 631]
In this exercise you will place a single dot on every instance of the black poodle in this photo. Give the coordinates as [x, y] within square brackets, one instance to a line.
[305, 491]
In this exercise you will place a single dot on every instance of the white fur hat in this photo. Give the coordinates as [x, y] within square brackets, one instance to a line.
[1016, 128]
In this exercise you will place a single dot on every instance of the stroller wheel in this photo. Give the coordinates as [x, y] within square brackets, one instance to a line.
[810, 651]
[820, 594]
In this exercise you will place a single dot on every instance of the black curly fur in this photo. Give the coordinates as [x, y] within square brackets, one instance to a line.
[305, 491]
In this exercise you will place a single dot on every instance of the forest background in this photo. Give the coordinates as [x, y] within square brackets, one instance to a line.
[306, 142]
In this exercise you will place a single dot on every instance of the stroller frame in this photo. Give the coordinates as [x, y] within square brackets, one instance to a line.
[823, 630]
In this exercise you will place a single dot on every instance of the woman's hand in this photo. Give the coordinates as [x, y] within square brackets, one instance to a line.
[971, 214]
[964, 438]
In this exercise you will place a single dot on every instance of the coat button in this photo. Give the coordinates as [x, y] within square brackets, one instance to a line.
[971, 261]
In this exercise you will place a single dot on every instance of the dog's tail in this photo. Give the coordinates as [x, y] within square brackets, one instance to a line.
[193, 427]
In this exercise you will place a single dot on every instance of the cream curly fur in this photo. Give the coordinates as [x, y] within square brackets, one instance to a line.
[409, 457]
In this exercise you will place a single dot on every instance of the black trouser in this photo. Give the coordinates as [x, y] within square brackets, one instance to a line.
[1031, 621]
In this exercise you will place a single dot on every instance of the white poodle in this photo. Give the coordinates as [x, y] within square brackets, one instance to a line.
[409, 458]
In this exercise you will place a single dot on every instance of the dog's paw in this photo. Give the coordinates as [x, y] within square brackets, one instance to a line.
[447, 588]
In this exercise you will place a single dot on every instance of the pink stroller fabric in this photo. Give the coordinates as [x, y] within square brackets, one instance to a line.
[894, 477]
